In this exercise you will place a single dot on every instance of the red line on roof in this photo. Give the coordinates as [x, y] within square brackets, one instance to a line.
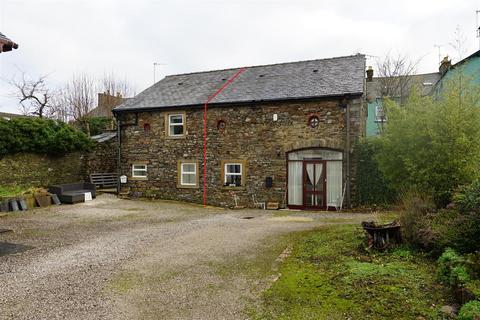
[210, 98]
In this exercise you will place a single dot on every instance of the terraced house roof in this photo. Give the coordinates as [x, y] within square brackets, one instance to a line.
[284, 81]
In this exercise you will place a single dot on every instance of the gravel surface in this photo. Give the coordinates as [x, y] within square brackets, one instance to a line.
[122, 259]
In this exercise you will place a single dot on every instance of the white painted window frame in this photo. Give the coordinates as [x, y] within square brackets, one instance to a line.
[135, 168]
[226, 173]
[182, 172]
[170, 124]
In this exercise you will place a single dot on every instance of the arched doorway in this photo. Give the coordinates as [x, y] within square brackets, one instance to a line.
[314, 178]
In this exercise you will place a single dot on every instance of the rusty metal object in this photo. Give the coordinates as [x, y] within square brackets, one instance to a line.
[382, 236]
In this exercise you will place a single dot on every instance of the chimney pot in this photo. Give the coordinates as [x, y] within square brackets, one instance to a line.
[445, 65]
[369, 74]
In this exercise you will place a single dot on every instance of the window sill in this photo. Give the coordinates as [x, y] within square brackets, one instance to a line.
[176, 137]
[234, 188]
[138, 178]
[180, 186]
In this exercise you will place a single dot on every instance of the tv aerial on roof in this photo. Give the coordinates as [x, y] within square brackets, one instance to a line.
[155, 64]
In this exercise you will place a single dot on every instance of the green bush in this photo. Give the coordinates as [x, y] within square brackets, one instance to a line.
[449, 261]
[470, 311]
[38, 135]
[467, 198]
[459, 227]
[432, 144]
[372, 187]
[96, 125]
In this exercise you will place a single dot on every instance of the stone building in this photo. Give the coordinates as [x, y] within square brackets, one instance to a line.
[278, 133]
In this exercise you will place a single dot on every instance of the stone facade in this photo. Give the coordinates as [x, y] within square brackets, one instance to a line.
[102, 158]
[250, 135]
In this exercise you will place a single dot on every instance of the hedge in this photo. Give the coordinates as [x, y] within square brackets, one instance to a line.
[42, 136]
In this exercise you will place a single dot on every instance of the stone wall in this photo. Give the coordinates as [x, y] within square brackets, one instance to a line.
[102, 158]
[28, 169]
[250, 135]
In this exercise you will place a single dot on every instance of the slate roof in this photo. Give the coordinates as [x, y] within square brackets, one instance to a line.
[424, 82]
[7, 115]
[105, 136]
[295, 80]
[6, 44]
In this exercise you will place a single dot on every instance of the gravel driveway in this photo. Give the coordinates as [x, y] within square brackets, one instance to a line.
[121, 259]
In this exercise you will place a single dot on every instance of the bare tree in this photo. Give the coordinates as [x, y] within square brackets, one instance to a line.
[395, 76]
[78, 98]
[34, 96]
[112, 84]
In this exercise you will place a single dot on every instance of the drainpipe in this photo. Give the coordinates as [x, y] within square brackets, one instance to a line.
[119, 154]
[347, 154]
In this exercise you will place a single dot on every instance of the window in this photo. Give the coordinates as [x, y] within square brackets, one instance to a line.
[187, 174]
[139, 171]
[176, 125]
[233, 174]
[380, 114]
[221, 125]
[313, 121]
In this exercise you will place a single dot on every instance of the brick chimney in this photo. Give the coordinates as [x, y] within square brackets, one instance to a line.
[369, 74]
[445, 65]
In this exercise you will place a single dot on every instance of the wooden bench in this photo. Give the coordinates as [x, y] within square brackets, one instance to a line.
[104, 180]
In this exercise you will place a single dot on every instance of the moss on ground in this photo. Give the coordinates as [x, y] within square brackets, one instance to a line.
[329, 276]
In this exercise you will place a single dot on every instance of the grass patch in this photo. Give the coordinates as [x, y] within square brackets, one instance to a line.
[124, 282]
[328, 277]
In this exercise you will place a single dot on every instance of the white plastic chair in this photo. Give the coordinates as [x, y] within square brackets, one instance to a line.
[257, 204]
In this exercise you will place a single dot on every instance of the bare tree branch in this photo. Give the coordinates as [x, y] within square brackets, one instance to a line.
[33, 95]
[395, 75]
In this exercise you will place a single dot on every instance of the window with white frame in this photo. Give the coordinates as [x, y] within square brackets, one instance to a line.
[233, 174]
[188, 174]
[139, 170]
[176, 125]
[380, 114]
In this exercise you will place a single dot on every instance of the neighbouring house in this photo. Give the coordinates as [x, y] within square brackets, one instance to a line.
[6, 44]
[279, 133]
[469, 67]
[8, 116]
[103, 112]
[376, 115]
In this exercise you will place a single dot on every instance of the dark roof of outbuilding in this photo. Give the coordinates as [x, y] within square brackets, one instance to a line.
[284, 81]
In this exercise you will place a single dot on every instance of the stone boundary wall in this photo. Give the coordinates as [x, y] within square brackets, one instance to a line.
[29, 169]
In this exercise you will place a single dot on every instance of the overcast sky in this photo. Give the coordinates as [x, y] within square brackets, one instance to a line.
[60, 38]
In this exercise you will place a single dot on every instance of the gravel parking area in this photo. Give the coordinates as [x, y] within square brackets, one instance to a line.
[125, 259]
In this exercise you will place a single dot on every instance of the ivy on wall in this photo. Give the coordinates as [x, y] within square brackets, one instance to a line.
[44, 136]
[372, 186]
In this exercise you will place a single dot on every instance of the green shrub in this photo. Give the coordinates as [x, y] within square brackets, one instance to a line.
[372, 187]
[470, 311]
[446, 263]
[467, 198]
[96, 125]
[457, 227]
[432, 144]
[38, 135]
